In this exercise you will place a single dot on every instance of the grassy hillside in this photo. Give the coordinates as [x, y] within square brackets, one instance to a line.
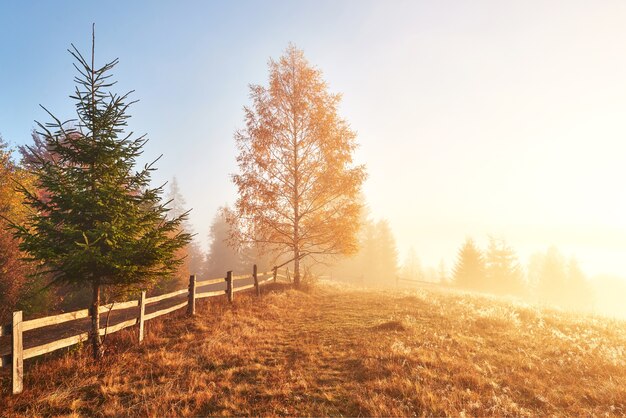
[349, 352]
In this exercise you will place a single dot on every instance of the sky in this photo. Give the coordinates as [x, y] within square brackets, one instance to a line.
[474, 118]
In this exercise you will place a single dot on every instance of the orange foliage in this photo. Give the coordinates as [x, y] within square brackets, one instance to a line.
[297, 184]
[13, 270]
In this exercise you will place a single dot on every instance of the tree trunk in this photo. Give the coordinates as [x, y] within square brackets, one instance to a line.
[96, 342]
[296, 208]
[296, 267]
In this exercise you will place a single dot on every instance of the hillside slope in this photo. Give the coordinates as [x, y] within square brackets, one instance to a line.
[344, 352]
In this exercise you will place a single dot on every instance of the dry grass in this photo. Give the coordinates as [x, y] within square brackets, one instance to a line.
[351, 352]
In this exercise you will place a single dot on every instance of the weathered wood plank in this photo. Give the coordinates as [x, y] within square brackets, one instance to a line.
[118, 327]
[256, 280]
[55, 319]
[142, 314]
[229, 286]
[72, 316]
[165, 311]
[242, 277]
[210, 281]
[66, 342]
[239, 289]
[191, 298]
[17, 353]
[118, 305]
[210, 294]
[55, 345]
[166, 296]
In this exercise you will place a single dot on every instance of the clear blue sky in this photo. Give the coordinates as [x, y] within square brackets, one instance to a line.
[474, 117]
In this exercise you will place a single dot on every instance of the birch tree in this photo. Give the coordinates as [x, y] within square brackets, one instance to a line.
[298, 186]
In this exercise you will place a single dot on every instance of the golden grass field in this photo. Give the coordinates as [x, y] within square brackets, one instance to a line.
[328, 351]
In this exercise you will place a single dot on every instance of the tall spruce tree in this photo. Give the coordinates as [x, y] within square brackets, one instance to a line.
[469, 270]
[503, 271]
[98, 222]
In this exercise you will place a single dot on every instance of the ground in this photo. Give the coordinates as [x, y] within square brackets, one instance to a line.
[332, 350]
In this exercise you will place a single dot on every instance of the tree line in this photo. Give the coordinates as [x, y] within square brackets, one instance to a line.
[549, 278]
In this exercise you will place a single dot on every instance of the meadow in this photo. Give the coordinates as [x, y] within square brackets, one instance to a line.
[337, 350]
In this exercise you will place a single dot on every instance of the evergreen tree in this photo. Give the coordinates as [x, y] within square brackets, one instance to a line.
[356, 267]
[386, 253]
[469, 271]
[412, 268]
[551, 279]
[192, 255]
[99, 224]
[560, 283]
[504, 274]
[221, 256]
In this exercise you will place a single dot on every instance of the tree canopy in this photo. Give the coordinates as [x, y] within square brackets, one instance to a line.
[14, 271]
[297, 185]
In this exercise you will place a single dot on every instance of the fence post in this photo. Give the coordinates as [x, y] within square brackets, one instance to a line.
[229, 286]
[142, 314]
[288, 275]
[275, 274]
[191, 303]
[17, 351]
[256, 280]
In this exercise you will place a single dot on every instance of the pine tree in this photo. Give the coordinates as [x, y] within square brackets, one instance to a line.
[192, 254]
[221, 256]
[386, 253]
[412, 268]
[503, 272]
[99, 223]
[469, 271]
[551, 280]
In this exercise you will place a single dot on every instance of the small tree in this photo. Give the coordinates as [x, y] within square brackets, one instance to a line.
[192, 253]
[412, 268]
[469, 270]
[579, 292]
[504, 273]
[298, 188]
[551, 280]
[386, 264]
[99, 223]
[222, 257]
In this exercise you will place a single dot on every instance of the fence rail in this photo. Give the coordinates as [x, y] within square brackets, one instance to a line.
[15, 358]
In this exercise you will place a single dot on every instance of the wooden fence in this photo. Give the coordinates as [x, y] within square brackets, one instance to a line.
[15, 359]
